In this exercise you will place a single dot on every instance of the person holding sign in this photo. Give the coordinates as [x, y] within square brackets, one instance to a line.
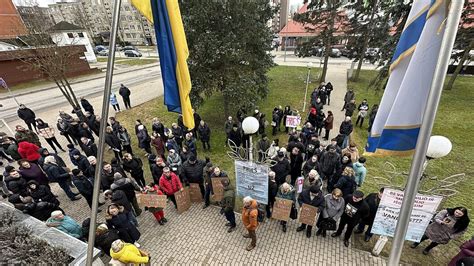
[156, 211]
[448, 224]
[287, 191]
[314, 197]
[373, 200]
[227, 204]
[356, 209]
[250, 220]
[333, 209]
[170, 184]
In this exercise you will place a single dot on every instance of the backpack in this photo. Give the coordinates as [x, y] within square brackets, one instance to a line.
[261, 213]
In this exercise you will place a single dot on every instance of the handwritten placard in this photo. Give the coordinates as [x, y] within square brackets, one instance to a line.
[292, 121]
[183, 200]
[282, 209]
[218, 188]
[308, 214]
[195, 192]
[151, 200]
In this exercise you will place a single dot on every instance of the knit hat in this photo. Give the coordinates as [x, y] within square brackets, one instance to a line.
[358, 194]
[117, 245]
[118, 176]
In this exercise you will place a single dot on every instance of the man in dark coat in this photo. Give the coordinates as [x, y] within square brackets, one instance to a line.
[14, 182]
[42, 193]
[83, 185]
[89, 147]
[23, 134]
[262, 146]
[82, 162]
[125, 93]
[44, 152]
[235, 135]
[204, 133]
[350, 95]
[197, 121]
[60, 175]
[134, 166]
[87, 106]
[373, 200]
[346, 129]
[281, 168]
[27, 115]
[314, 197]
[329, 164]
[114, 143]
[129, 186]
[272, 192]
[107, 174]
[192, 172]
[355, 210]
[296, 163]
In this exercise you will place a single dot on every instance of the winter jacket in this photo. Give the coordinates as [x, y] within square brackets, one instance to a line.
[317, 201]
[346, 184]
[34, 173]
[82, 163]
[90, 149]
[290, 195]
[124, 138]
[134, 167]
[272, 191]
[228, 200]
[56, 173]
[129, 254]
[83, 185]
[193, 173]
[59, 160]
[28, 136]
[310, 165]
[315, 182]
[281, 169]
[128, 186]
[329, 122]
[228, 126]
[443, 233]
[354, 153]
[143, 139]
[346, 128]
[191, 145]
[120, 198]
[124, 92]
[350, 95]
[355, 211]
[159, 145]
[113, 141]
[113, 99]
[236, 137]
[296, 163]
[204, 133]
[171, 185]
[158, 128]
[250, 215]
[16, 185]
[42, 193]
[27, 115]
[373, 201]
[104, 241]
[64, 127]
[350, 108]
[67, 225]
[12, 150]
[467, 250]
[28, 151]
[171, 144]
[263, 145]
[108, 177]
[174, 161]
[329, 162]
[156, 172]
[127, 231]
[360, 173]
[333, 208]
[87, 106]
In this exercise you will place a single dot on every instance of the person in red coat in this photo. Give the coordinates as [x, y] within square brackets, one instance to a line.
[29, 151]
[467, 250]
[157, 212]
[170, 184]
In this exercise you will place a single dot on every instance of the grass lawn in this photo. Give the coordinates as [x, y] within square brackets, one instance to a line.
[453, 121]
[287, 87]
[135, 62]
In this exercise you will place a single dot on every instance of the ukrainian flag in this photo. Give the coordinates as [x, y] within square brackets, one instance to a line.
[398, 120]
[173, 51]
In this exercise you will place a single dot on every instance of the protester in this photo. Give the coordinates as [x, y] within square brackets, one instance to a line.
[360, 171]
[128, 254]
[296, 163]
[107, 174]
[227, 203]
[84, 185]
[228, 128]
[86, 105]
[330, 162]
[23, 134]
[28, 116]
[29, 151]
[346, 183]
[64, 223]
[125, 93]
[286, 191]
[104, 238]
[170, 184]
[157, 169]
[466, 253]
[11, 148]
[353, 151]
[273, 150]
[272, 192]
[129, 187]
[250, 221]
[313, 197]
[134, 166]
[47, 132]
[207, 172]
[333, 210]
[349, 96]
[282, 168]
[346, 129]
[311, 164]
[39, 210]
[31, 171]
[262, 147]
[192, 172]
[81, 161]
[355, 209]
[286, 113]
[85, 131]
[45, 153]
[190, 143]
[114, 102]
[328, 125]
[119, 198]
[373, 200]
[363, 109]
[117, 220]
[14, 181]
[158, 213]
[350, 108]
[235, 135]
[158, 143]
[65, 129]
[89, 147]
[329, 89]
[312, 179]
[144, 139]
[58, 174]
[448, 224]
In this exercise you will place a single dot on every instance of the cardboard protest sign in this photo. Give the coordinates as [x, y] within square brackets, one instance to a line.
[218, 188]
[282, 209]
[152, 200]
[195, 192]
[308, 214]
[292, 121]
[183, 201]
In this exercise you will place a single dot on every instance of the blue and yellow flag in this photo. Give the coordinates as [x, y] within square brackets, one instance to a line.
[173, 52]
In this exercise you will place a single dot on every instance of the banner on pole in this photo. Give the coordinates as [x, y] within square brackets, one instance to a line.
[389, 208]
[252, 180]
[292, 121]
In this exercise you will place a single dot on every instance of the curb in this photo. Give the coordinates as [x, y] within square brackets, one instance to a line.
[77, 82]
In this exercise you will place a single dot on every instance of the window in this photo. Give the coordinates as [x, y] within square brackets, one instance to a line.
[132, 27]
[70, 35]
[127, 35]
[133, 35]
[80, 34]
[130, 18]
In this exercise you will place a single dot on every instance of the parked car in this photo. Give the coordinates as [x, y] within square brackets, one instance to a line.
[129, 48]
[104, 52]
[132, 53]
[335, 52]
[99, 48]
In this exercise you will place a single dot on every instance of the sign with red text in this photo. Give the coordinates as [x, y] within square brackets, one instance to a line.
[292, 121]
[389, 208]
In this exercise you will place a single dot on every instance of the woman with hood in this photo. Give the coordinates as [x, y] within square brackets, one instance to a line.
[448, 224]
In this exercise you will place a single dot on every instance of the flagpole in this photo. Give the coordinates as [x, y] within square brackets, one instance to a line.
[429, 116]
[103, 125]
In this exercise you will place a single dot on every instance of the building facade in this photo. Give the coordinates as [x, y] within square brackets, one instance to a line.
[35, 18]
[66, 34]
[11, 24]
[281, 17]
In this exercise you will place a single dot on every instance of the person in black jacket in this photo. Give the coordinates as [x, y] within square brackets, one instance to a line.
[40, 210]
[85, 131]
[14, 182]
[117, 219]
[58, 174]
[81, 160]
[235, 135]
[125, 93]
[204, 133]
[329, 165]
[356, 209]
[272, 192]
[107, 175]
[86, 105]
[89, 147]
[114, 142]
[296, 163]
[27, 115]
[105, 237]
[281, 168]
[134, 166]
[157, 169]
[44, 152]
[129, 186]
[64, 128]
[83, 185]
[192, 172]
[120, 198]
[311, 164]
[314, 197]
[41, 193]
[373, 200]
[346, 129]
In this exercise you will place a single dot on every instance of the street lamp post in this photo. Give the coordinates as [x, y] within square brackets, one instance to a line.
[438, 147]
[250, 126]
[309, 66]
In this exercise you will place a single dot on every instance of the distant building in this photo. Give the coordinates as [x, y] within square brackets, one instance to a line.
[35, 18]
[11, 24]
[280, 19]
[65, 34]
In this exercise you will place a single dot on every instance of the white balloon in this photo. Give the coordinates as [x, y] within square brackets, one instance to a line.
[438, 147]
[250, 125]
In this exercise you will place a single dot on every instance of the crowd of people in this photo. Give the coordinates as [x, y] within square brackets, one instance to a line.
[331, 169]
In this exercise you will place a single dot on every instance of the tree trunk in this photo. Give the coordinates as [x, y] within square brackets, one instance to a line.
[328, 41]
[366, 43]
[450, 84]
[64, 92]
[73, 95]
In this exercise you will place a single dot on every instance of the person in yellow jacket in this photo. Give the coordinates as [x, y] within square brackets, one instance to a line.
[128, 253]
